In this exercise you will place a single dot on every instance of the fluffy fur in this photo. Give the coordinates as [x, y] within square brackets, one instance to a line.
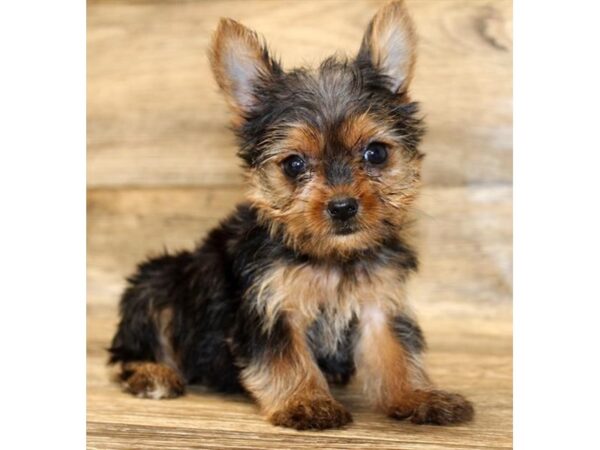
[289, 293]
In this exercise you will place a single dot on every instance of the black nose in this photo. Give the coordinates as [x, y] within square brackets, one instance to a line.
[342, 208]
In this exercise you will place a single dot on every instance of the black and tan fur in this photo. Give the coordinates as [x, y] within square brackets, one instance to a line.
[284, 298]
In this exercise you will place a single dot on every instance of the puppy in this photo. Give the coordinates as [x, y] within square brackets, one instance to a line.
[303, 285]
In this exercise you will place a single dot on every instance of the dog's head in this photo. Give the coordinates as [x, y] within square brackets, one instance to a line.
[331, 153]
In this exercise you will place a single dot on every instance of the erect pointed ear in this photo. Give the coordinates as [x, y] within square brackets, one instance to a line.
[389, 45]
[241, 64]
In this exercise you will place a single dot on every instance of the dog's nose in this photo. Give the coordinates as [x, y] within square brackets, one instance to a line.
[342, 208]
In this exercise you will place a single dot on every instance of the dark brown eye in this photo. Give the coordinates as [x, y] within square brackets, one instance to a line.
[294, 166]
[375, 153]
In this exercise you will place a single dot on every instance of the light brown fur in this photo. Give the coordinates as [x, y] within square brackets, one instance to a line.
[237, 50]
[300, 210]
[152, 380]
[291, 389]
[333, 167]
[388, 372]
[392, 41]
[304, 292]
[395, 380]
[163, 319]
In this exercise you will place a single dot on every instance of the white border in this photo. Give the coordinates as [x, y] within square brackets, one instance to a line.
[557, 224]
[557, 218]
[42, 228]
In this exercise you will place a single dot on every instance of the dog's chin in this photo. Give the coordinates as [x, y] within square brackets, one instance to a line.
[350, 238]
[345, 230]
[348, 243]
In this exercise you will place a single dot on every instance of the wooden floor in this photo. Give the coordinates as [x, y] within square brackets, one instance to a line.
[161, 171]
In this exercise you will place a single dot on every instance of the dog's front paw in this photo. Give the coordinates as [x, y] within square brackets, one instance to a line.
[441, 408]
[311, 414]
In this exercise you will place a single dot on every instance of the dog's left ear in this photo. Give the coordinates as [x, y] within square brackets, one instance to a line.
[389, 46]
[241, 65]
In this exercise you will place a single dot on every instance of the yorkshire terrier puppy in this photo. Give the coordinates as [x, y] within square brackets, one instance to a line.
[304, 284]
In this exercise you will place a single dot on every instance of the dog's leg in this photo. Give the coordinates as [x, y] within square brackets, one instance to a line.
[143, 344]
[284, 377]
[155, 380]
[151, 380]
[388, 358]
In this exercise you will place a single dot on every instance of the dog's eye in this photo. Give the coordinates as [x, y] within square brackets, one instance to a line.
[294, 166]
[375, 153]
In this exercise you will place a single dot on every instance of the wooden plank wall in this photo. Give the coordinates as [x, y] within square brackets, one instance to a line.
[155, 117]
[162, 171]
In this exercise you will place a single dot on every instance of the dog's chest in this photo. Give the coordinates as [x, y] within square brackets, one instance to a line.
[330, 297]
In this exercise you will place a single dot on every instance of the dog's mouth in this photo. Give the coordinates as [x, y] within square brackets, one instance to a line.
[345, 228]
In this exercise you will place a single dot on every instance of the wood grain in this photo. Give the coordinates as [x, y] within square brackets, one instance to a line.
[462, 296]
[464, 239]
[162, 171]
[155, 116]
[477, 363]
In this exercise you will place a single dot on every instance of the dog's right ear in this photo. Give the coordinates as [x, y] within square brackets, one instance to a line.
[241, 65]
